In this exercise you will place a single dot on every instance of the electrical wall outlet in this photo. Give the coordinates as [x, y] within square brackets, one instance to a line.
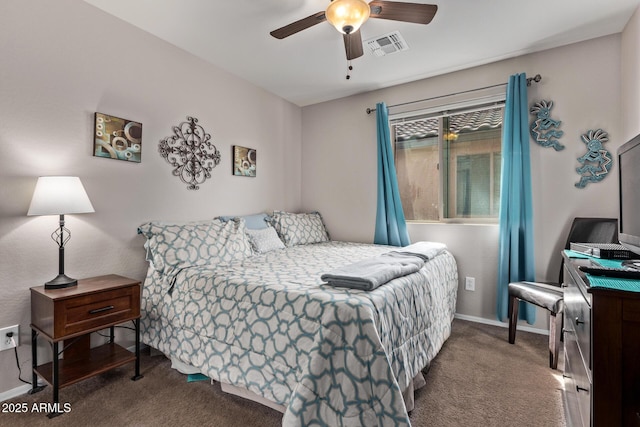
[470, 283]
[9, 337]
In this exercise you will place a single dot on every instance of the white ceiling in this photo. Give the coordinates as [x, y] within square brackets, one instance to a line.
[310, 66]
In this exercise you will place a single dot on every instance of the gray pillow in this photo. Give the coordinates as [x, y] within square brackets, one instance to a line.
[252, 222]
[175, 245]
[299, 228]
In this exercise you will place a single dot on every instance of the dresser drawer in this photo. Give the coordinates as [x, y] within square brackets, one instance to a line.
[578, 320]
[98, 309]
[577, 382]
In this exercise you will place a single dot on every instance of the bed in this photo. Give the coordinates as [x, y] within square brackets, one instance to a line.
[261, 319]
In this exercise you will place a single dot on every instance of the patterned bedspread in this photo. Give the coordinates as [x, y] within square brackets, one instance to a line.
[331, 356]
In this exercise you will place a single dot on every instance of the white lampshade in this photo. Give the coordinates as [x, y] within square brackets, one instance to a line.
[347, 15]
[59, 195]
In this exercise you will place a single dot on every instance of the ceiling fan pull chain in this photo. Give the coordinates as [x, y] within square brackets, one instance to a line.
[350, 67]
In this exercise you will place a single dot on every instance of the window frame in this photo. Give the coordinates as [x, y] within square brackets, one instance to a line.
[439, 112]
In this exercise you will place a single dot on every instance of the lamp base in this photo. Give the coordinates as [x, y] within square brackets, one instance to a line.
[61, 281]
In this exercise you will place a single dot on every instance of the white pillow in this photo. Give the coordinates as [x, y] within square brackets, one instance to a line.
[264, 240]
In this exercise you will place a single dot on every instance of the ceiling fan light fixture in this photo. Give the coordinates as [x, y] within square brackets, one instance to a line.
[347, 15]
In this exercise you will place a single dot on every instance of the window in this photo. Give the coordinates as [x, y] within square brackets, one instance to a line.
[448, 163]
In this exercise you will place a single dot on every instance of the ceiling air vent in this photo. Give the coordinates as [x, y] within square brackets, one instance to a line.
[387, 44]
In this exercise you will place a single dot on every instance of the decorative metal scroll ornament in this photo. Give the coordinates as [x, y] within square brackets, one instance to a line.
[190, 152]
[597, 162]
[544, 129]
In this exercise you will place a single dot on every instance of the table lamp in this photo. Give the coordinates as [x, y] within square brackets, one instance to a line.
[60, 195]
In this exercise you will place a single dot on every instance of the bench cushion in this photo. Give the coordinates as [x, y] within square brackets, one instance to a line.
[541, 294]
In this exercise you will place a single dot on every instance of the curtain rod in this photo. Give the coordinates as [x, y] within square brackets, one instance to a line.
[536, 79]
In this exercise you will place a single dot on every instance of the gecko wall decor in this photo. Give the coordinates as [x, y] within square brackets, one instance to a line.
[597, 161]
[544, 130]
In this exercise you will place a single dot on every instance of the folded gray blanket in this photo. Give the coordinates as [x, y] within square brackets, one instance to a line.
[370, 273]
[424, 250]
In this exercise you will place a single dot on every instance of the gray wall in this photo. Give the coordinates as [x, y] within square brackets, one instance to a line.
[583, 79]
[62, 63]
[630, 77]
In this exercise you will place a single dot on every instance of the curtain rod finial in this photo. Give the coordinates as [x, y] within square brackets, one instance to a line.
[536, 79]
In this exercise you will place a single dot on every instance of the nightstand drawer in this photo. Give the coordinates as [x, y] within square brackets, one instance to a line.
[102, 308]
[95, 303]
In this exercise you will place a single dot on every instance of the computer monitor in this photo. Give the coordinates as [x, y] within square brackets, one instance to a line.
[629, 180]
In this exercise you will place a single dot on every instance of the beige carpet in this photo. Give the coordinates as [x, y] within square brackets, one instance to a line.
[478, 379]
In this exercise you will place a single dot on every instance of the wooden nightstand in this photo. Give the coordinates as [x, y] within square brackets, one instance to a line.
[71, 315]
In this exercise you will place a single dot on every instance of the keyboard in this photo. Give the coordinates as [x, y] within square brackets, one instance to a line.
[622, 273]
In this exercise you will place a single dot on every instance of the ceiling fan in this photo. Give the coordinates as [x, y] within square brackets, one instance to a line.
[348, 15]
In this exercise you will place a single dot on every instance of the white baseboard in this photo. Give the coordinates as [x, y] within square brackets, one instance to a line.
[15, 392]
[501, 324]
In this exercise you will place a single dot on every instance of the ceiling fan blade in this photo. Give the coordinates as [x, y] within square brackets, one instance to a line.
[400, 11]
[353, 45]
[298, 26]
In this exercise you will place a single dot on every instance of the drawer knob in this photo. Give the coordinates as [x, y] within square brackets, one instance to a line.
[100, 310]
[579, 389]
[578, 321]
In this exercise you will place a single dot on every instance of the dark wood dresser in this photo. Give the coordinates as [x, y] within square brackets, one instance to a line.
[602, 352]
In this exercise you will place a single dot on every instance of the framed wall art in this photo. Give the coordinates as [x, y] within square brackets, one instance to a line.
[117, 138]
[244, 161]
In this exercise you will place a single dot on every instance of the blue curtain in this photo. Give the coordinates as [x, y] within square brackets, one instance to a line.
[391, 227]
[515, 262]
